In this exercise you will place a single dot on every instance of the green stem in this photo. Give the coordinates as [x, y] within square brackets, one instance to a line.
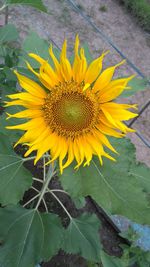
[3, 7]
[49, 176]
[30, 158]
[31, 200]
[6, 15]
[38, 180]
[46, 208]
[61, 204]
[27, 159]
[59, 190]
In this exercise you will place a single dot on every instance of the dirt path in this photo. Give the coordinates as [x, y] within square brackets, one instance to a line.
[114, 21]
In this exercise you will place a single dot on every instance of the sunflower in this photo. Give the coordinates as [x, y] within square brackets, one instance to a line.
[71, 111]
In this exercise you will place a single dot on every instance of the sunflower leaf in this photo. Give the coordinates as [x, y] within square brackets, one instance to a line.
[81, 237]
[28, 237]
[8, 33]
[13, 135]
[14, 178]
[38, 4]
[35, 44]
[109, 261]
[137, 85]
[88, 54]
[120, 188]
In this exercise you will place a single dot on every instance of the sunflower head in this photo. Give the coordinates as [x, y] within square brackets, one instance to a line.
[71, 111]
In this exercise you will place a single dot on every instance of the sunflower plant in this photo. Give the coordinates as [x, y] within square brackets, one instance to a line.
[62, 138]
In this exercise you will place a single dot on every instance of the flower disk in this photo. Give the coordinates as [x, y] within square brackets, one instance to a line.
[72, 111]
[69, 111]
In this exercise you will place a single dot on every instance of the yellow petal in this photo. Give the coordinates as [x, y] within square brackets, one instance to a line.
[47, 69]
[65, 65]
[27, 97]
[81, 155]
[88, 152]
[56, 63]
[46, 133]
[56, 150]
[30, 136]
[28, 125]
[108, 156]
[76, 47]
[86, 86]
[31, 69]
[104, 140]
[94, 69]
[118, 111]
[108, 131]
[105, 78]
[70, 155]
[29, 113]
[114, 89]
[45, 146]
[63, 153]
[83, 68]
[76, 152]
[37, 58]
[105, 121]
[109, 117]
[47, 76]
[77, 62]
[23, 103]
[30, 86]
[96, 147]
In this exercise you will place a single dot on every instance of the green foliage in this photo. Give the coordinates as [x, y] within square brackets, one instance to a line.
[8, 59]
[81, 237]
[136, 85]
[109, 261]
[28, 236]
[117, 187]
[36, 4]
[34, 44]
[8, 33]
[8, 52]
[87, 52]
[135, 255]
[8, 82]
[141, 9]
[12, 136]
[14, 178]
[79, 202]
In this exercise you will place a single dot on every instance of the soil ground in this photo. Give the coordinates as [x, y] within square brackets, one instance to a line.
[110, 17]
